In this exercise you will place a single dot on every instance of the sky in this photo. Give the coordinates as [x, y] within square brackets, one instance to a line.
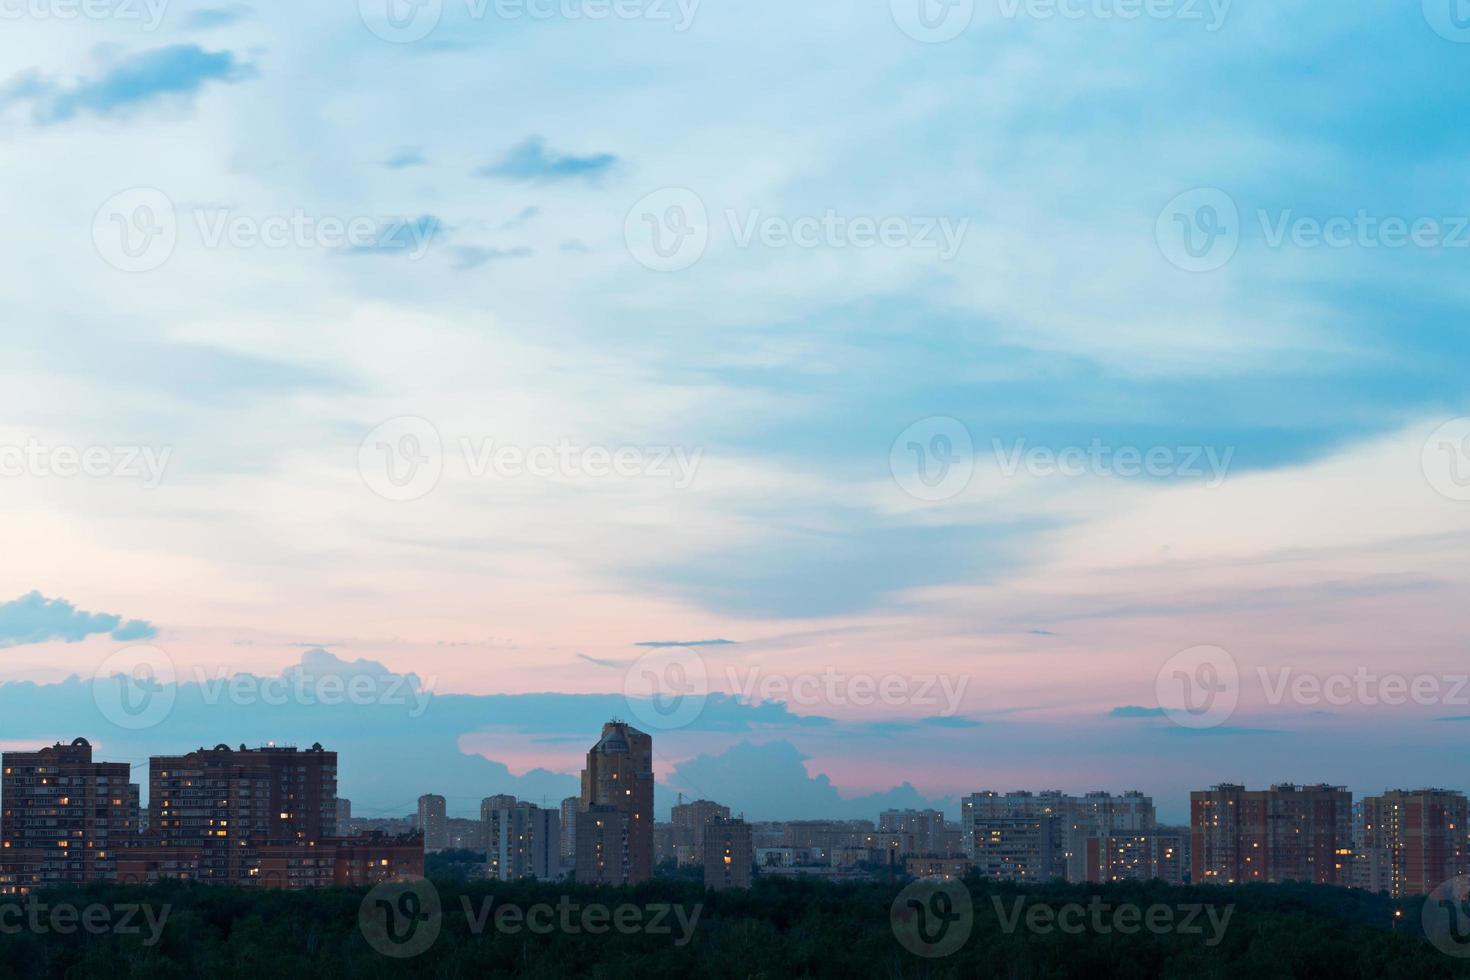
[878, 402]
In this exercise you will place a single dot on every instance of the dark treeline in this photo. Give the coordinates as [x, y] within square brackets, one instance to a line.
[781, 928]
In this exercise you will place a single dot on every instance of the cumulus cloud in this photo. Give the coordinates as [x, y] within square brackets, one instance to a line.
[531, 161]
[33, 618]
[178, 71]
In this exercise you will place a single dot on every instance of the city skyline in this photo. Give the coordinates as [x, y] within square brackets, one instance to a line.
[1019, 371]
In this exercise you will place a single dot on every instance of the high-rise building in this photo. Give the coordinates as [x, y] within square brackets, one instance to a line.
[344, 816]
[521, 840]
[64, 817]
[569, 808]
[1286, 833]
[926, 827]
[229, 803]
[615, 818]
[1138, 856]
[1070, 820]
[689, 821]
[728, 855]
[434, 822]
[1016, 848]
[1412, 841]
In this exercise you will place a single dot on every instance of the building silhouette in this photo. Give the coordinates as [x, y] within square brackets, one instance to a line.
[434, 822]
[687, 832]
[227, 804]
[1285, 833]
[614, 835]
[522, 840]
[728, 854]
[64, 816]
[1412, 841]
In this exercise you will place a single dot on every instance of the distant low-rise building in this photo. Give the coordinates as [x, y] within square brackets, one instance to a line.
[728, 855]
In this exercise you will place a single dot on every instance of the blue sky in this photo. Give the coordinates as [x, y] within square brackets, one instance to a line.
[351, 224]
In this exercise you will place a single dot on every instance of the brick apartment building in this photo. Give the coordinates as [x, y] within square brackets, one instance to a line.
[1414, 840]
[1285, 833]
[615, 819]
[64, 816]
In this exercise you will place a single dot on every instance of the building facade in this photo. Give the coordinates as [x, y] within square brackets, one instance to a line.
[728, 854]
[1285, 833]
[1413, 841]
[689, 821]
[64, 816]
[228, 804]
[521, 840]
[434, 822]
[618, 779]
